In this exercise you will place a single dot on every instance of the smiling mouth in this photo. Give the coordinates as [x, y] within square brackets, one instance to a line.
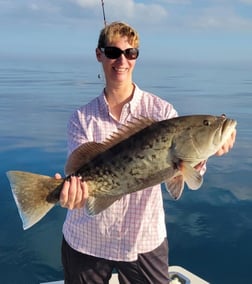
[120, 70]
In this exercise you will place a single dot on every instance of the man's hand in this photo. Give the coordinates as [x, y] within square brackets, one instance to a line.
[74, 192]
[227, 146]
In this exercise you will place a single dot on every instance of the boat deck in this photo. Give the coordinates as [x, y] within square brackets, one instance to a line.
[178, 275]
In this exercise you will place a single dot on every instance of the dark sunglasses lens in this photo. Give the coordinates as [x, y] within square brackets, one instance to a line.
[112, 52]
[131, 53]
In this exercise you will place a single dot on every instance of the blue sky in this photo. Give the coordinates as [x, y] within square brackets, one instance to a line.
[170, 29]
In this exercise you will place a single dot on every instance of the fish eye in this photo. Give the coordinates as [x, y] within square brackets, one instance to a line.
[206, 122]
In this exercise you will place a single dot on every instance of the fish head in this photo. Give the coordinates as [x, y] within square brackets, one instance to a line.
[200, 136]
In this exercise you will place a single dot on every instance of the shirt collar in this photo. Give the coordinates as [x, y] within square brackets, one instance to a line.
[135, 99]
[133, 103]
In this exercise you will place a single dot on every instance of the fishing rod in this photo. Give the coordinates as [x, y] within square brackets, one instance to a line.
[103, 12]
[100, 76]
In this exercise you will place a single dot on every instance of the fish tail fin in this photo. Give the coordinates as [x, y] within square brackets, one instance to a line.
[34, 195]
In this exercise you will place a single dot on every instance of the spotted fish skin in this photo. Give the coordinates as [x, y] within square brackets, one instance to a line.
[141, 154]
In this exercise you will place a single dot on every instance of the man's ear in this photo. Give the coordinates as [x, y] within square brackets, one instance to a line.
[98, 54]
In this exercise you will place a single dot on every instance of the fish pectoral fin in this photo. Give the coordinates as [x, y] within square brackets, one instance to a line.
[175, 186]
[95, 205]
[192, 177]
[189, 175]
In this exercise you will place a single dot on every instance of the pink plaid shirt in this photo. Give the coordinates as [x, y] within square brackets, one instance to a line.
[134, 224]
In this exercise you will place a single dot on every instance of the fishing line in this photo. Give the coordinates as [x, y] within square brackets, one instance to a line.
[103, 12]
[101, 74]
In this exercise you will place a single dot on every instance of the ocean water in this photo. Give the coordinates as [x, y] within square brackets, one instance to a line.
[209, 230]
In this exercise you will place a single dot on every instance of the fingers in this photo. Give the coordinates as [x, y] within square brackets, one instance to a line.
[81, 193]
[74, 193]
[228, 145]
[233, 137]
[57, 176]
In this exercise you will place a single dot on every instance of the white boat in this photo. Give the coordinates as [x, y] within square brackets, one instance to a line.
[178, 275]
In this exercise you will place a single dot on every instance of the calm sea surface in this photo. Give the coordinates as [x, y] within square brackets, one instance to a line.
[210, 230]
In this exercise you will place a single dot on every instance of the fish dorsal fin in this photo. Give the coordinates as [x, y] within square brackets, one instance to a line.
[82, 155]
[87, 151]
[126, 130]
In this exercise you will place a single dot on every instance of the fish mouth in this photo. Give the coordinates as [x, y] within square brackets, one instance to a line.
[227, 128]
[223, 131]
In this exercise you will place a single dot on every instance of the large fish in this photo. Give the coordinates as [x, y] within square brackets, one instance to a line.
[141, 154]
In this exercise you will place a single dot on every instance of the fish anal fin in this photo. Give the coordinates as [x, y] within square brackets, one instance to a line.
[96, 205]
[175, 186]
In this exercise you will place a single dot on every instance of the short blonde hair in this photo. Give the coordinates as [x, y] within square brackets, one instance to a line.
[116, 30]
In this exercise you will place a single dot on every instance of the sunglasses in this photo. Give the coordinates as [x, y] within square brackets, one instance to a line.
[113, 52]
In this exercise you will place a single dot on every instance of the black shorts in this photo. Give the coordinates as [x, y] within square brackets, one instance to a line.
[149, 268]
